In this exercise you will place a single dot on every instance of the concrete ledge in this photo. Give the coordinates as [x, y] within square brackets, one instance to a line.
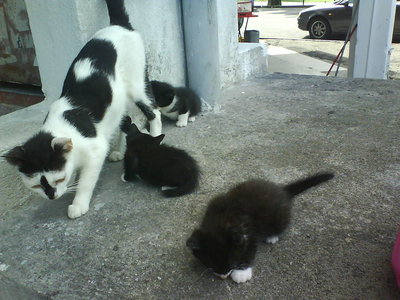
[131, 244]
[253, 60]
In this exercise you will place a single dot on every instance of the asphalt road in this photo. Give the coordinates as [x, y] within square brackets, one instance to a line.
[277, 23]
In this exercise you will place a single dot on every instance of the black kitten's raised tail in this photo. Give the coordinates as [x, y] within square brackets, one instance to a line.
[117, 13]
[301, 185]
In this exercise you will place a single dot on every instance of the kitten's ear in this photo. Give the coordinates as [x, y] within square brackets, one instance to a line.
[15, 156]
[159, 138]
[193, 242]
[61, 144]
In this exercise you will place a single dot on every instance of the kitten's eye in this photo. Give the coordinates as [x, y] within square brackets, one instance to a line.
[60, 180]
[38, 186]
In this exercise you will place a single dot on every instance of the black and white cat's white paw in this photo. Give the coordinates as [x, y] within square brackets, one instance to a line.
[240, 276]
[75, 211]
[115, 156]
[181, 123]
[182, 120]
[192, 119]
[272, 239]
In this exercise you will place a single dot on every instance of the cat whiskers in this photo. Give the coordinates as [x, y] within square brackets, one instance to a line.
[72, 187]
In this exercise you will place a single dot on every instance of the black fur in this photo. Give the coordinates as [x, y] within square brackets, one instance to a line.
[187, 100]
[36, 155]
[146, 110]
[234, 222]
[81, 120]
[117, 13]
[48, 190]
[159, 165]
[93, 94]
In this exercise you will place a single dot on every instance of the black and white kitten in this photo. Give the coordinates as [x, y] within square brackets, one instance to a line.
[233, 224]
[172, 169]
[105, 79]
[181, 104]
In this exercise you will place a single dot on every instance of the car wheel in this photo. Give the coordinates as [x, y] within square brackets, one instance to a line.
[319, 29]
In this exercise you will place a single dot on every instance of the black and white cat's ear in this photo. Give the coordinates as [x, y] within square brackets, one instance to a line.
[15, 156]
[61, 144]
[159, 138]
[193, 242]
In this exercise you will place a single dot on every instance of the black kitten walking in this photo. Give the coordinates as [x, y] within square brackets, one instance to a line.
[172, 169]
[234, 223]
[181, 104]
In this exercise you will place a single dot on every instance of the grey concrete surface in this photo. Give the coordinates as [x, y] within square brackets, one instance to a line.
[131, 244]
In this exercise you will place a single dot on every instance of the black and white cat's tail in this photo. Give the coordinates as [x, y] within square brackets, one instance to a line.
[118, 14]
[190, 185]
[302, 185]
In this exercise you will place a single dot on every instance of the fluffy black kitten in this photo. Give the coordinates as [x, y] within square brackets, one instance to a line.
[181, 104]
[172, 169]
[234, 223]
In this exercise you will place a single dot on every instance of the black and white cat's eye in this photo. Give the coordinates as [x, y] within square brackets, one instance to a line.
[59, 180]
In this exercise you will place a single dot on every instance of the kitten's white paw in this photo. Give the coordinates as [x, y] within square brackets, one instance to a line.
[181, 123]
[240, 276]
[123, 177]
[192, 119]
[75, 211]
[272, 239]
[116, 156]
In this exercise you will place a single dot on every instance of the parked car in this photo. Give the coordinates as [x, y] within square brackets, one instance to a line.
[322, 21]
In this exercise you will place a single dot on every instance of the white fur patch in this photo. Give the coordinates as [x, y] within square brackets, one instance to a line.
[165, 188]
[83, 69]
[192, 119]
[240, 276]
[122, 177]
[115, 156]
[182, 120]
[272, 239]
[155, 124]
[75, 211]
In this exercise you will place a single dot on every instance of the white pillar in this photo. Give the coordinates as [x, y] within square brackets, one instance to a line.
[200, 19]
[371, 44]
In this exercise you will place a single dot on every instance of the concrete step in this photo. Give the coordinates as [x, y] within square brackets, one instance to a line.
[16, 96]
[131, 244]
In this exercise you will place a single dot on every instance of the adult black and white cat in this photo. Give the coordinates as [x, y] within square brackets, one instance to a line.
[105, 79]
[172, 169]
[227, 238]
[181, 104]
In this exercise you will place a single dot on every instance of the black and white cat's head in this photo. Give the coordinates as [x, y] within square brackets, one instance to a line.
[44, 163]
[135, 137]
[223, 251]
[163, 93]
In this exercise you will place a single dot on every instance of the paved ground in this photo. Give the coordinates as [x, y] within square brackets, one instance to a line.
[278, 28]
[131, 244]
